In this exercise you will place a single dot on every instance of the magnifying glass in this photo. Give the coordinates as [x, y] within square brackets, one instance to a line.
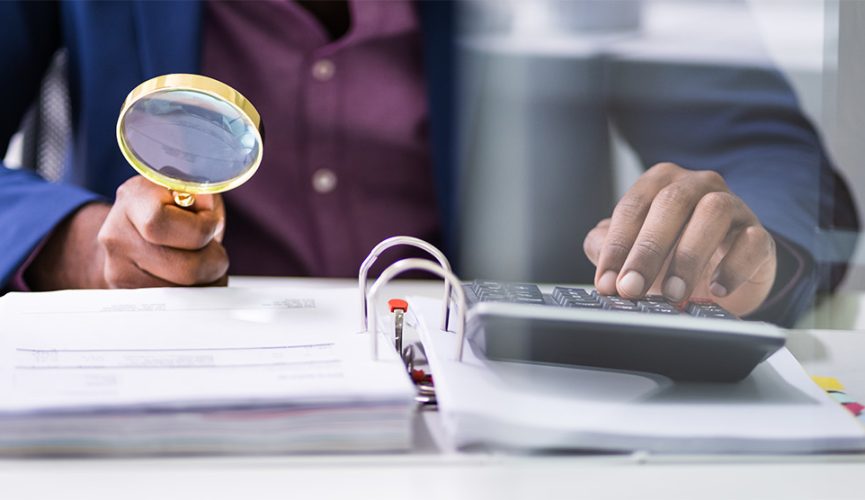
[191, 134]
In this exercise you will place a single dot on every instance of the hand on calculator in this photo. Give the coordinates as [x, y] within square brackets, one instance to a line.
[683, 234]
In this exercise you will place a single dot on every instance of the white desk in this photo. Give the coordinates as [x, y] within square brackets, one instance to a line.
[432, 470]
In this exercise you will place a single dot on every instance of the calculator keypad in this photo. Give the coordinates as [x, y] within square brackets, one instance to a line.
[528, 293]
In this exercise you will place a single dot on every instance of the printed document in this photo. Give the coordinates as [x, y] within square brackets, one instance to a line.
[198, 349]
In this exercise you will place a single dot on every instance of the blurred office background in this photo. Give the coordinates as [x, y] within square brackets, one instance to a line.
[541, 162]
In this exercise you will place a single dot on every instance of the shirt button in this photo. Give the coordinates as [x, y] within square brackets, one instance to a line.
[323, 70]
[324, 180]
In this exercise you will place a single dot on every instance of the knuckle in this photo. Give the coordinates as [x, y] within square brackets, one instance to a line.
[108, 239]
[650, 249]
[759, 238]
[674, 195]
[616, 249]
[152, 228]
[717, 203]
[632, 206]
[756, 234]
[138, 181]
[711, 178]
[121, 192]
[665, 168]
[128, 188]
[103, 237]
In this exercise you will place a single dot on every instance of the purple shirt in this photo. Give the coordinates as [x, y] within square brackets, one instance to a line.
[346, 157]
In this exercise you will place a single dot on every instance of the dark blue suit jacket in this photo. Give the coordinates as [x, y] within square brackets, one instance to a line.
[746, 123]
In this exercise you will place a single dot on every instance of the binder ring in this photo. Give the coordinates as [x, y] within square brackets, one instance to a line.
[408, 241]
[399, 267]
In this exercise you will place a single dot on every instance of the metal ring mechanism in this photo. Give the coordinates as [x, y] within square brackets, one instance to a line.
[407, 241]
[399, 267]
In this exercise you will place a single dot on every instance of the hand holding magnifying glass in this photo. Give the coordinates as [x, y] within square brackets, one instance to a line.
[190, 134]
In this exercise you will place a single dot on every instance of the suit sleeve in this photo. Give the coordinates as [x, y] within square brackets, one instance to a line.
[745, 123]
[29, 207]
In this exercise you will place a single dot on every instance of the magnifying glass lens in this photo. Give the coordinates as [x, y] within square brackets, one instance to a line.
[191, 137]
[191, 134]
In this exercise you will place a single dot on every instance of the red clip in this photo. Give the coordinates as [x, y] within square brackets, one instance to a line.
[395, 304]
[418, 376]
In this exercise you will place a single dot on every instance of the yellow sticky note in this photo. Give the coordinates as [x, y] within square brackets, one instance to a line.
[828, 383]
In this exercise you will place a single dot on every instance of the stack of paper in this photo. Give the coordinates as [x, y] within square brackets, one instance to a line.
[776, 409]
[228, 370]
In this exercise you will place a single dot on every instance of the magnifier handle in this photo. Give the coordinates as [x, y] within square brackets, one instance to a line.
[184, 200]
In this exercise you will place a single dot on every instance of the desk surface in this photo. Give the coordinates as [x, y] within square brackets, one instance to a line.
[434, 470]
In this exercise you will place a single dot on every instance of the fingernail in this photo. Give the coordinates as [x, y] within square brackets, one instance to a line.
[717, 289]
[632, 284]
[607, 283]
[674, 288]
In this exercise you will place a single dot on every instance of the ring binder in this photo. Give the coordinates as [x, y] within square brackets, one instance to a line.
[396, 241]
[399, 267]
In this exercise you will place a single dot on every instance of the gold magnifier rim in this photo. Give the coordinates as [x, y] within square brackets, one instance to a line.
[194, 83]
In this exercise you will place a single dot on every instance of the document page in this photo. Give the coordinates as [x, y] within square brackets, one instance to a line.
[533, 406]
[201, 347]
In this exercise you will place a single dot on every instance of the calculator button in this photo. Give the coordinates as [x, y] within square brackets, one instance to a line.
[528, 300]
[657, 304]
[490, 296]
[527, 294]
[614, 303]
[575, 297]
[718, 315]
[657, 299]
[583, 305]
[703, 309]
[672, 311]
[478, 286]
[619, 301]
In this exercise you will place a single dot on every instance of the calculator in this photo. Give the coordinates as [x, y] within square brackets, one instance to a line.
[697, 341]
